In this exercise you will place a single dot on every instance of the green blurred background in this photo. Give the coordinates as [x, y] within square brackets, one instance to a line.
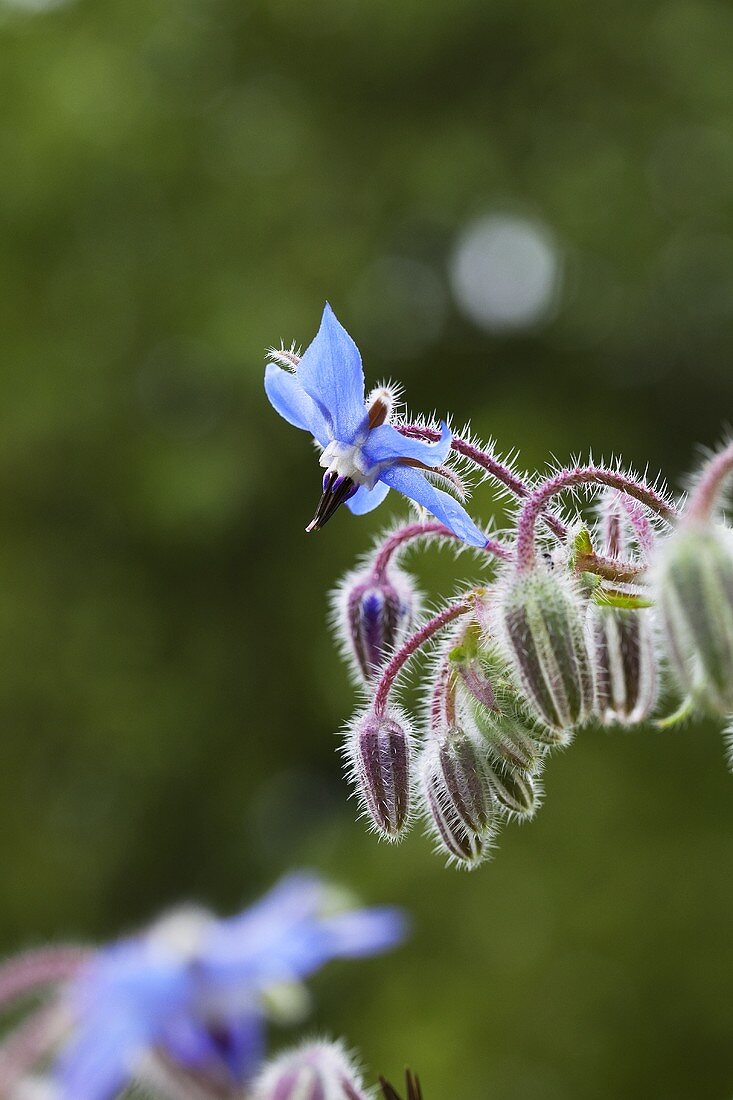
[523, 211]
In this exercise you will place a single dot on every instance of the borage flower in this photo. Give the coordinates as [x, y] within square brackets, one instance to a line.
[363, 454]
[192, 992]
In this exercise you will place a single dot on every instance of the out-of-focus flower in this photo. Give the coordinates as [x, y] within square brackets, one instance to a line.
[195, 990]
[363, 454]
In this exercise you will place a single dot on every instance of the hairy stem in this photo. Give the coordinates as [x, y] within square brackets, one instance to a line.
[488, 462]
[566, 479]
[411, 646]
[705, 494]
[611, 569]
[28, 1044]
[31, 970]
[418, 530]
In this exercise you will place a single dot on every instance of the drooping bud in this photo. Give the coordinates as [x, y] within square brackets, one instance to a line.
[372, 613]
[488, 707]
[626, 665]
[457, 796]
[538, 619]
[315, 1071]
[694, 587]
[379, 753]
[627, 681]
[515, 790]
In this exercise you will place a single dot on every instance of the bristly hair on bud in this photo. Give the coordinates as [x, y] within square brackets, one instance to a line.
[372, 612]
[624, 640]
[313, 1071]
[627, 681]
[538, 618]
[693, 578]
[378, 748]
[457, 797]
[728, 742]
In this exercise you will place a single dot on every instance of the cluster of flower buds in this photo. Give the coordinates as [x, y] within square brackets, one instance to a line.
[586, 616]
[584, 619]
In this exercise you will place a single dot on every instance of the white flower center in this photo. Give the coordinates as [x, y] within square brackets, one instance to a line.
[347, 460]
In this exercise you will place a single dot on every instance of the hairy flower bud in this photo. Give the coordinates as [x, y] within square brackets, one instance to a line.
[515, 790]
[539, 621]
[379, 754]
[372, 613]
[626, 665]
[694, 583]
[315, 1071]
[457, 796]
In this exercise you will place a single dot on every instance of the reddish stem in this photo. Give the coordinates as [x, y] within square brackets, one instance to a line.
[31, 1041]
[410, 647]
[25, 973]
[705, 494]
[443, 700]
[611, 569]
[498, 470]
[566, 479]
[418, 530]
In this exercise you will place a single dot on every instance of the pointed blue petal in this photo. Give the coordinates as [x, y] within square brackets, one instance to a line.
[413, 484]
[386, 444]
[331, 373]
[288, 397]
[364, 500]
[362, 932]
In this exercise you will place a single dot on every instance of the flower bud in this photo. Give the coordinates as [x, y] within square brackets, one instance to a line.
[539, 621]
[379, 753]
[626, 665]
[373, 611]
[694, 583]
[515, 790]
[315, 1071]
[457, 796]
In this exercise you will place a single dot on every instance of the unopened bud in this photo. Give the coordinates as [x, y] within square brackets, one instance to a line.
[539, 620]
[515, 790]
[379, 753]
[315, 1071]
[372, 613]
[457, 796]
[694, 582]
[626, 665]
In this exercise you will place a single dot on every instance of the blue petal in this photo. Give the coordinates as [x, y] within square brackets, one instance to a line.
[100, 1060]
[364, 931]
[331, 373]
[386, 444]
[413, 484]
[288, 397]
[364, 500]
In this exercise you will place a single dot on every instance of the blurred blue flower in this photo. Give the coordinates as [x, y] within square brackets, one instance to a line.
[363, 454]
[193, 989]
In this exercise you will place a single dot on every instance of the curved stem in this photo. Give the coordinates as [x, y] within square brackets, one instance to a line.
[488, 462]
[705, 494]
[566, 479]
[411, 646]
[611, 569]
[31, 1041]
[417, 530]
[46, 966]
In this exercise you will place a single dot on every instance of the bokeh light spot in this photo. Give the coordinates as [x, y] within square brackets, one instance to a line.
[505, 272]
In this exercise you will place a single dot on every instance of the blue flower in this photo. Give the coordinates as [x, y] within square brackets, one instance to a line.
[363, 454]
[193, 989]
